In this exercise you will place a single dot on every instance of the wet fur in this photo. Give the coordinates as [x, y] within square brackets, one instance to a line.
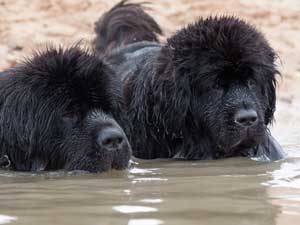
[181, 96]
[52, 106]
[123, 32]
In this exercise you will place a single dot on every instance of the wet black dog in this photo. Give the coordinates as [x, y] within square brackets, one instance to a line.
[208, 93]
[59, 111]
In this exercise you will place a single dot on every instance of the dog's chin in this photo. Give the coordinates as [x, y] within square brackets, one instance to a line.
[240, 146]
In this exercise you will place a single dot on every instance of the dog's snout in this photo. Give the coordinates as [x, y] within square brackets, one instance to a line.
[111, 138]
[246, 117]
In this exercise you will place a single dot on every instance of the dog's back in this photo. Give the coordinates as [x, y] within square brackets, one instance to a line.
[128, 36]
[124, 24]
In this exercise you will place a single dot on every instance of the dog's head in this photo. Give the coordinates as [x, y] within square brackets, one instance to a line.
[59, 110]
[225, 80]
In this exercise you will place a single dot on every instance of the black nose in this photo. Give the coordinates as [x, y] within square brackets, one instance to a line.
[111, 138]
[246, 117]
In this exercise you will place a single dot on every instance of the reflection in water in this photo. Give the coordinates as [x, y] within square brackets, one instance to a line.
[148, 179]
[152, 200]
[225, 192]
[145, 222]
[4, 219]
[144, 171]
[287, 176]
[133, 209]
[284, 191]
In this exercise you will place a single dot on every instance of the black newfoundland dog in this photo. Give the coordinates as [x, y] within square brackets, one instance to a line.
[208, 93]
[59, 111]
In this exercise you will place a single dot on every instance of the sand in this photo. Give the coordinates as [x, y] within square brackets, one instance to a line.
[26, 25]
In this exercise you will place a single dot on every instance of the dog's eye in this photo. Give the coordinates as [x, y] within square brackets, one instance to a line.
[251, 83]
[70, 119]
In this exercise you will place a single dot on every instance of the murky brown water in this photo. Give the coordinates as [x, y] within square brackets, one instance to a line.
[233, 191]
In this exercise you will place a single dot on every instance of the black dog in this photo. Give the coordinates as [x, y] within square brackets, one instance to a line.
[59, 111]
[208, 93]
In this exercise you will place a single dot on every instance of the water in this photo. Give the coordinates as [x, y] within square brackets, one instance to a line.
[235, 191]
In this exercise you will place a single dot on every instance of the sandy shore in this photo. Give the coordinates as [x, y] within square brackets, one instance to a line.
[27, 25]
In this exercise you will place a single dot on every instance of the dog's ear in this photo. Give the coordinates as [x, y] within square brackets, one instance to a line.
[171, 95]
[271, 74]
[271, 104]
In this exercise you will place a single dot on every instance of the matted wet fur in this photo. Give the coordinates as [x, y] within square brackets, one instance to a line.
[207, 93]
[127, 31]
[58, 110]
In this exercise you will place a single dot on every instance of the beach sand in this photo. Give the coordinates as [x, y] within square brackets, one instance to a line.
[29, 25]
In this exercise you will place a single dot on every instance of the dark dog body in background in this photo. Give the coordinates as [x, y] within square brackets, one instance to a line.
[59, 110]
[208, 93]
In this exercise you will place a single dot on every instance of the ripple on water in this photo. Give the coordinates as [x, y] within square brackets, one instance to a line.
[136, 170]
[287, 176]
[4, 219]
[145, 222]
[152, 200]
[134, 209]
